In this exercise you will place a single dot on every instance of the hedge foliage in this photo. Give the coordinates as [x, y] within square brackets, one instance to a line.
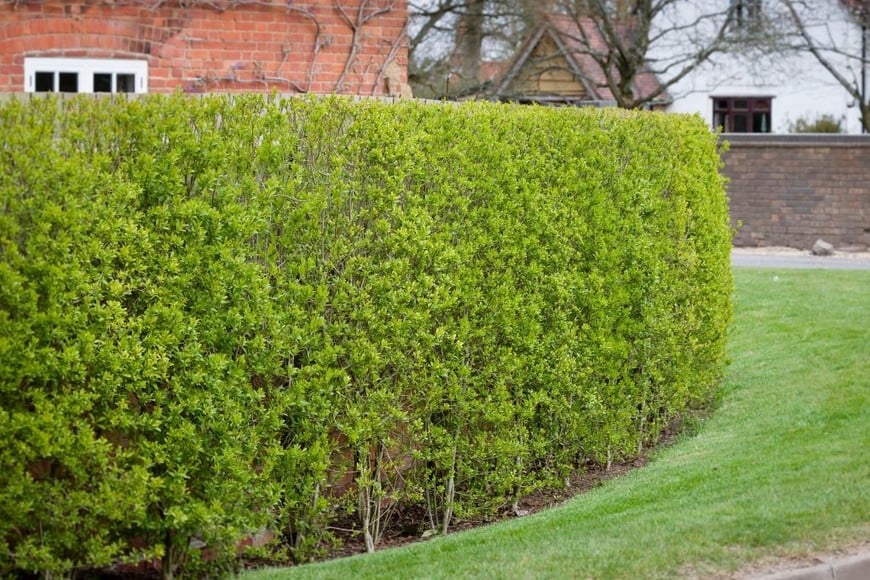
[222, 314]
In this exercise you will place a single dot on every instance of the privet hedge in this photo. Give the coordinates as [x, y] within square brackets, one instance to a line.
[224, 315]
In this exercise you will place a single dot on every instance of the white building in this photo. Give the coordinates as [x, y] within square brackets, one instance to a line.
[758, 92]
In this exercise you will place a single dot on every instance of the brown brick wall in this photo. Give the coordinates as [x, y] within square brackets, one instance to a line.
[224, 45]
[790, 190]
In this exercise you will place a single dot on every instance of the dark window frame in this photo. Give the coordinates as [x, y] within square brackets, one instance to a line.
[50, 81]
[746, 15]
[743, 114]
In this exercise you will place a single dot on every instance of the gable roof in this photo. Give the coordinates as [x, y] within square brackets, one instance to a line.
[565, 33]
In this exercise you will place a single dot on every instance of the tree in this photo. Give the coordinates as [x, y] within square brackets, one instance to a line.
[846, 60]
[469, 35]
[627, 39]
[450, 39]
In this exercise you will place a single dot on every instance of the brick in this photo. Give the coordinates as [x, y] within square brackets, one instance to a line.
[262, 33]
[814, 191]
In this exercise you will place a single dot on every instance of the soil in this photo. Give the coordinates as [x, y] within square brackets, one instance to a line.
[405, 528]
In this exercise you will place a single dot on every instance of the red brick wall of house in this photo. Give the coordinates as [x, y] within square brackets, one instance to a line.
[318, 46]
[791, 190]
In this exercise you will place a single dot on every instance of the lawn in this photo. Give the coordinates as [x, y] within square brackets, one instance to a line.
[780, 469]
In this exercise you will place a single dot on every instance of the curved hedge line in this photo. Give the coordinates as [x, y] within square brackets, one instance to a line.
[223, 314]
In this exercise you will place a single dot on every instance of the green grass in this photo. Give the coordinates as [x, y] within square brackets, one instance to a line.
[781, 469]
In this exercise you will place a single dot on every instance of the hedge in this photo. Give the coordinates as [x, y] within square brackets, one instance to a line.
[228, 314]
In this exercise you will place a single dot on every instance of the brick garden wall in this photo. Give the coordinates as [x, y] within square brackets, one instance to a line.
[790, 190]
[325, 46]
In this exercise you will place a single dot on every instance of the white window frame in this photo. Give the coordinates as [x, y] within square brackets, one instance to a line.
[86, 68]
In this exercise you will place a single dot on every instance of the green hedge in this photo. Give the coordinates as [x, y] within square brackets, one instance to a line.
[222, 314]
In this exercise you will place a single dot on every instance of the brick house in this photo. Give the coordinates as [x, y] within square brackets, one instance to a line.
[354, 47]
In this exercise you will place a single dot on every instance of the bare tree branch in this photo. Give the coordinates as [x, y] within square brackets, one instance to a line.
[630, 30]
[856, 87]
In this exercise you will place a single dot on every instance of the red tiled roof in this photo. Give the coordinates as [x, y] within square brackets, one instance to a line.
[492, 69]
[860, 8]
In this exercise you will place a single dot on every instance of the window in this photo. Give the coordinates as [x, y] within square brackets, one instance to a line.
[745, 15]
[85, 75]
[742, 114]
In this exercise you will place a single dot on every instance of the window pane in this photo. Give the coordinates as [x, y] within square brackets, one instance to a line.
[742, 104]
[44, 82]
[126, 83]
[68, 82]
[761, 123]
[754, 8]
[740, 124]
[102, 82]
[76, 75]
